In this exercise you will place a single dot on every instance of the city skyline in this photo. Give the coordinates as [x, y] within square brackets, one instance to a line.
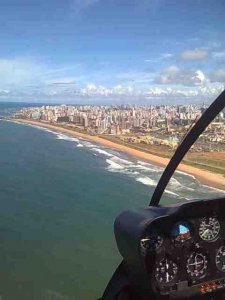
[111, 51]
[161, 126]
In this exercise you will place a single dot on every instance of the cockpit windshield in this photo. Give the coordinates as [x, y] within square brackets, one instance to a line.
[95, 98]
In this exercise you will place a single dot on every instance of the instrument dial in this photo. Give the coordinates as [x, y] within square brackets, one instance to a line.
[181, 233]
[166, 271]
[197, 265]
[220, 259]
[209, 229]
[151, 243]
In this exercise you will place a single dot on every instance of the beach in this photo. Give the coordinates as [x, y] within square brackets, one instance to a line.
[204, 177]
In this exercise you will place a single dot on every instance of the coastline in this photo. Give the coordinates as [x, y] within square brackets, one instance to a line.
[204, 177]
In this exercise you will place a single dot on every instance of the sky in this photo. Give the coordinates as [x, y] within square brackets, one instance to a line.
[112, 51]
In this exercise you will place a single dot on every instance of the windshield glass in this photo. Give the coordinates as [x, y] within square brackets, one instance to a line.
[95, 96]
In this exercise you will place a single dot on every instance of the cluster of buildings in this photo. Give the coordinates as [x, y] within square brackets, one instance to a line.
[135, 124]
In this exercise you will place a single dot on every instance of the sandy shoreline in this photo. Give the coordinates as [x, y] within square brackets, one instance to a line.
[204, 177]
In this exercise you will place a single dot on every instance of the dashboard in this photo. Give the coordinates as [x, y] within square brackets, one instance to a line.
[187, 253]
[181, 249]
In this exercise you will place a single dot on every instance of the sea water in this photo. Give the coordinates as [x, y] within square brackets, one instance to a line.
[59, 196]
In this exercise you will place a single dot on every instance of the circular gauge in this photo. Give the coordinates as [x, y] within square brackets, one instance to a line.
[151, 242]
[181, 233]
[197, 265]
[209, 229]
[220, 259]
[166, 271]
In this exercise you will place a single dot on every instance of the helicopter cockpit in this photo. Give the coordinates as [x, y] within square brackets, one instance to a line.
[176, 251]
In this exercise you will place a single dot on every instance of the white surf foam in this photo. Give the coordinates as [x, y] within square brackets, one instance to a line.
[214, 189]
[64, 137]
[188, 188]
[59, 136]
[113, 166]
[88, 144]
[174, 182]
[172, 193]
[37, 127]
[186, 174]
[122, 161]
[148, 167]
[138, 170]
[101, 151]
[146, 181]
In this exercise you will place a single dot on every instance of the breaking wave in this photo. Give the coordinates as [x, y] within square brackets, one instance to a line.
[66, 138]
[182, 185]
[101, 151]
[113, 166]
[146, 181]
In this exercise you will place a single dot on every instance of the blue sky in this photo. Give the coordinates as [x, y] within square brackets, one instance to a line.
[141, 51]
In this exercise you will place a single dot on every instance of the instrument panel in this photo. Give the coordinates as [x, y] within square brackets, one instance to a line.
[185, 253]
[176, 251]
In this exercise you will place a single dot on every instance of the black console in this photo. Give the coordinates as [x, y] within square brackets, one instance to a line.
[176, 250]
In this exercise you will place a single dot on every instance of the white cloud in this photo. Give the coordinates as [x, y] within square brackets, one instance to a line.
[80, 5]
[218, 76]
[159, 58]
[118, 90]
[211, 90]
[126, 91]
[27, 80]
[115, 94]
[4, 92]
[18, 71]
[175, 76]
[167, 55]
[21, 72]
[219, 54]
[151, 60]
[196, 54]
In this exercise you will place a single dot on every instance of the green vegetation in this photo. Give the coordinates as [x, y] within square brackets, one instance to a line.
[214, 162]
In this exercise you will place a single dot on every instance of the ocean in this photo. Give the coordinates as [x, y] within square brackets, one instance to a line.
[59, 196]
